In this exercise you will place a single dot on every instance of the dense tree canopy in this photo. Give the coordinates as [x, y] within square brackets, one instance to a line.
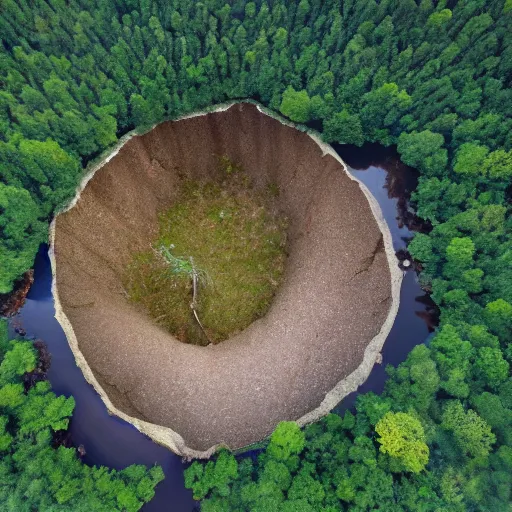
[403, 438]
[432, 77]
[35, 476]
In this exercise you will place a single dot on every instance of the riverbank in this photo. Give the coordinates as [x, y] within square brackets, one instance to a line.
[11, 303]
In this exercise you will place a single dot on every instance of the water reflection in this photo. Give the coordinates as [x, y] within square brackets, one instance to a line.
[392, 182]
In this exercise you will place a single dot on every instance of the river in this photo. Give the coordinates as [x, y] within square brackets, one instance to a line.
[114, 443]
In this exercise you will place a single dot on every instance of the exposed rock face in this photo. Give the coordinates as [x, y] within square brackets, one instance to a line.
[336, 294]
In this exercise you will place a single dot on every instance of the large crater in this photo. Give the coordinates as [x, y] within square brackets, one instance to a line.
[318, 341]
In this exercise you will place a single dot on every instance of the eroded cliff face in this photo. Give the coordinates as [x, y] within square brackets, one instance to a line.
[337, 295]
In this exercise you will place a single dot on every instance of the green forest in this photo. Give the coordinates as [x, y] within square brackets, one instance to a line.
[34, 473]
[431, 77]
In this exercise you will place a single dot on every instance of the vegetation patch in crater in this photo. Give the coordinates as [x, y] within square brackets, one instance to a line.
[226, 236]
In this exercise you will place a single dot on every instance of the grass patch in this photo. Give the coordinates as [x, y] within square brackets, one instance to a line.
[234, 237]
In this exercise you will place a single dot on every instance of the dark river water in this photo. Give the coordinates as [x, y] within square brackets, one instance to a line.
[112, 442]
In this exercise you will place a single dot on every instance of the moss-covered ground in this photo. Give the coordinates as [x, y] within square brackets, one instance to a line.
[236, 239]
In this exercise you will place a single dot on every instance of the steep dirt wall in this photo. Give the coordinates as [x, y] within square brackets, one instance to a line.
[327, 322]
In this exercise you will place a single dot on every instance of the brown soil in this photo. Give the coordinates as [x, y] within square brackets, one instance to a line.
[11, 303]
[335, 296]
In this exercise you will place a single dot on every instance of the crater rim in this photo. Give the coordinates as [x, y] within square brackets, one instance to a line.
[166, 435]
